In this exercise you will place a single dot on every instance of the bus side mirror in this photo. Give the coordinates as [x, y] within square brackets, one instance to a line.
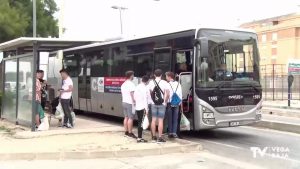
[196, 42]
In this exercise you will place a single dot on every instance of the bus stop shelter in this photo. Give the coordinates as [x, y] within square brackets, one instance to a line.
[20, 62]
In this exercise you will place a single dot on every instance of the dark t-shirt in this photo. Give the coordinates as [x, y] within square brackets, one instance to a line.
[44, 89]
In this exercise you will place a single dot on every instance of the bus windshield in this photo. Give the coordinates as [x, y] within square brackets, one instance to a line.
[227, 59]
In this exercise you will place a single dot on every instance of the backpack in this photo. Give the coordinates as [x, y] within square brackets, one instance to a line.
[157, 94]
[175, 99]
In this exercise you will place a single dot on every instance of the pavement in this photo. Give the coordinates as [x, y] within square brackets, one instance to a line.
[88, 140]
[203, 160]
[283, 104]
[276, 116]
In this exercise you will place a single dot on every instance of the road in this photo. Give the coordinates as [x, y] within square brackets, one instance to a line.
[223, 148]
[236, 143]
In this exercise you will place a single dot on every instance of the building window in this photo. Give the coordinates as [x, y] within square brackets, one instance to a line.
[274, 36]
[264, 38]
[274, 51]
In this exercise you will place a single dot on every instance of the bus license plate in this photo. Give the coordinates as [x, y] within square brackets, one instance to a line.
[234, 123]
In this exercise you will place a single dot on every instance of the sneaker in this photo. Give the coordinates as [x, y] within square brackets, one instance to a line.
[161, 140]
[154, 139]
[175, 136]
[170, 136]
[132, 135]
[126, 134]
[141, 140]
[69, 126]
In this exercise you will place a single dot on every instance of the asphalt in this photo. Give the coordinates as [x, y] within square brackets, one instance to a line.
[236, 143]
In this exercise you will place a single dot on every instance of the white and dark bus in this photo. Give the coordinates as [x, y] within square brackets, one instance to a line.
[218, 70]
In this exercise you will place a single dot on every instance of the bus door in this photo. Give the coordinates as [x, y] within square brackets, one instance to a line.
[84, 83]
[185, 80]
[162, 58]
[183, 69]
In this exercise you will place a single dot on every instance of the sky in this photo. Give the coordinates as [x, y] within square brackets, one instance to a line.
[95, 19]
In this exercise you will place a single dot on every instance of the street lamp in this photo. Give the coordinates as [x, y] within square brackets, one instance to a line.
[120, 8]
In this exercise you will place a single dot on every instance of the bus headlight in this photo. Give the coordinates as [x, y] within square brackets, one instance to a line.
[207, 114]
[209, 121]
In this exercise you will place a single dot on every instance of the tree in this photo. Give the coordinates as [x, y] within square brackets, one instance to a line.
[16, 19]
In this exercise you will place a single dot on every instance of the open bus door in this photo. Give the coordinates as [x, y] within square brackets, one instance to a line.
[185, 80]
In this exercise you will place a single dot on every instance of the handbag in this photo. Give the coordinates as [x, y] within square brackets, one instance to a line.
[184, 123]
[145, 122]
[59, 113]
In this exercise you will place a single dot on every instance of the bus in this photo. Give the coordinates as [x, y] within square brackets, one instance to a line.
[217, 68]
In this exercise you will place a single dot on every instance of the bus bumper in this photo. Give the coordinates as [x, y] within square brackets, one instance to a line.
[207, 117]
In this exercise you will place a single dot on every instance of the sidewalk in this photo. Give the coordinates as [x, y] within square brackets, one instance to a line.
[295, 104]
[281, 123]
[277, 115]
[89, 139]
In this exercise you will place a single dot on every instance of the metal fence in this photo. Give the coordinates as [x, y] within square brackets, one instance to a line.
[274, 81]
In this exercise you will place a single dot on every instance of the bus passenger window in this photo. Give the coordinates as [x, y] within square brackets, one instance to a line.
[183, 61]
[70, 63]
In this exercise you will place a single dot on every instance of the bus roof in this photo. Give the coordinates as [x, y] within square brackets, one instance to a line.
[108, 42]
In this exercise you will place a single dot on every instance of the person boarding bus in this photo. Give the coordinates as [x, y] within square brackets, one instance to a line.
[159, 90]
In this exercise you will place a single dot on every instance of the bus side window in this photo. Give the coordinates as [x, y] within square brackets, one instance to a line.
[70, 63]
[183, 61]
[99, 65]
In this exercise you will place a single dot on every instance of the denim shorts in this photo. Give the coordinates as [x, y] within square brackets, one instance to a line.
[127, 110]
[158, 111]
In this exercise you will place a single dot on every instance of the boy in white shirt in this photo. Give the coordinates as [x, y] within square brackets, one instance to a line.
[159, 90]
[65, 98]
[141, 95]
[127, 90]
[172, 107]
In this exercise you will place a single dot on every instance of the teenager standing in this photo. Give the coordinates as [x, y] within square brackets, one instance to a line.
[127, 90]
[173, 104]
[141, 95]
[160, 95]
[65, 98]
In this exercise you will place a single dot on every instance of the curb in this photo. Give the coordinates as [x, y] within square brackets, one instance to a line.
[286, 127]
[189, 147]
[281, 107]
[284, 112]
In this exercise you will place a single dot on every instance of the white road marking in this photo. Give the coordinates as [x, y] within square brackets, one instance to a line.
[270, 130]
[241, 148]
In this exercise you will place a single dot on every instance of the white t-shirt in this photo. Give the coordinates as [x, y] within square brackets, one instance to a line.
[164, 86]
[149, 95]
[126, 88]
[173, 85]
[66, 83]
[141, 95]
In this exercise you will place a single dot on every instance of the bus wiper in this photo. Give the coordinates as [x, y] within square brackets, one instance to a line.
[255, 87]
[220, 85]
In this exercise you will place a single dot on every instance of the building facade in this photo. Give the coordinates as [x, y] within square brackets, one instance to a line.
[279, 40]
